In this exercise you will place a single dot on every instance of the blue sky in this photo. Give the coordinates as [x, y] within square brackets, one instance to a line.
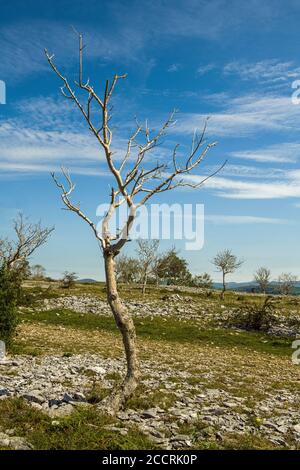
[233, 61]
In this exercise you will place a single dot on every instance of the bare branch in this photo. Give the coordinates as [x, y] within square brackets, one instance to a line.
[29, 237]
[65, 196]
[142, 177]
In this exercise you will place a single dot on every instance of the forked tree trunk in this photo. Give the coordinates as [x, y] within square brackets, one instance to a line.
[126, 326]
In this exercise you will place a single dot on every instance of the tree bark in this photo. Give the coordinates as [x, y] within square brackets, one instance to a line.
[224, 287]
[126, 326]
[144, 284]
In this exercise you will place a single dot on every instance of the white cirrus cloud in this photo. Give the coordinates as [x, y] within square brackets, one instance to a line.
[235, 188]
[278, 153]
[174, 68]
[22, 46]
[266, 71]
[244, 116]
[206, 68]
[243, 219]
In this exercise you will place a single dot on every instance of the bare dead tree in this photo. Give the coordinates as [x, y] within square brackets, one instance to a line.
[147, 256]
[135, 183]
[263, 276]
[286, 283]
[28, 238]
[126, 268]
[38, 271]
[226, 262]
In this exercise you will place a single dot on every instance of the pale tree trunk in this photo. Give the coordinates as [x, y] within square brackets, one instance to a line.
[224, 287]
[144, 284]
[126, 326]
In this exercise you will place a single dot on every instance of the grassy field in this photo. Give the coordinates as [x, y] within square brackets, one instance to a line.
[250, 365]
[211, 298]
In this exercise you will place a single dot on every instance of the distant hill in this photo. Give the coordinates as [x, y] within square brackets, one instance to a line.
[87, 281]
[251, 286]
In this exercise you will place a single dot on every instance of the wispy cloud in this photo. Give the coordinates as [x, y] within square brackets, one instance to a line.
[246, 115]
[22, 46]
[22, 43]
[265, 71]
[240, 189]
[174, 68]
[204, 69]
[277, 153]
[192, 18]
[243, 219]
[46, 133]
[246, 172]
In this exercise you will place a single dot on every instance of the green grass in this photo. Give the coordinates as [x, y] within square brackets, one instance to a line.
[167, 329]
[84, 429]
[145, 398]
[38, 290]
[204, 437]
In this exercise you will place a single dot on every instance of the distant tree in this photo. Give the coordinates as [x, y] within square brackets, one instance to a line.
[18, 274]
[8, 301]
[262, 276]
[28, 238]
[204, 281]
[147, 259]
[287, 283]
[227, 263]
[38, 271]
[173, 269]
[126, 269]
[68, 279]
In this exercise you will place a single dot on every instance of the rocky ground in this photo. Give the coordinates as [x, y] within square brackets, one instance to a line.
[192, 393]
[174, 305]
[189, 409]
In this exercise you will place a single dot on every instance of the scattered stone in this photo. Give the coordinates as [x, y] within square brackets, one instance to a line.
[152, 413]
[121, 431]
[13, 442]
[97, 369]
[61, 412]
[34, 396]
[297, 428]
[19, 443]
[61, 384]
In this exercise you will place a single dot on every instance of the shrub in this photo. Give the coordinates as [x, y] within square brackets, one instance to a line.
[258, 317]
[8, 309]
[203, 281]
[68, 280]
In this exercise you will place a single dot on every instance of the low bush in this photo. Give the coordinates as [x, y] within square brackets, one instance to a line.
[8, 308]
[252, 316]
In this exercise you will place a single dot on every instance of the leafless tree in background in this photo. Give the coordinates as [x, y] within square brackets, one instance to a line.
[287, 283]
[68, 280]
[28, 238]
[147, 258]
[136, 181]
[227, 263]
[263, 276]
[38, 271]
[126, 269]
